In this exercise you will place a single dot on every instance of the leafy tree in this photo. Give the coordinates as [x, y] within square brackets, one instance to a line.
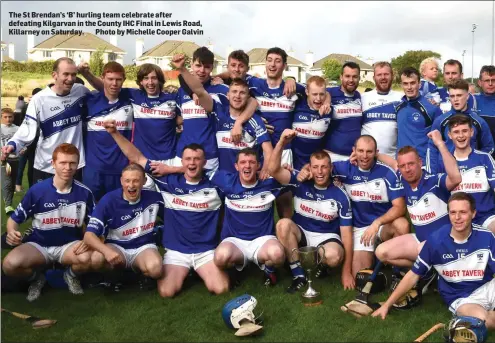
[96, 61]
[187, 63]
[331, 69]
[411, 58]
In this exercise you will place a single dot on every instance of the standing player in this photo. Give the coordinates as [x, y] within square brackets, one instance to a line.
[310, 126]
[8, 178]
[485, 100]
[415, 114]
[192, 206]
[248, 227]
[379, 115]
[477, 170]
[347, 114]
[126, 218]
[57, 112]
[323, 215]
[464, 257]
[59, 207]
[452, 71]
[105, 161]
[482, 138]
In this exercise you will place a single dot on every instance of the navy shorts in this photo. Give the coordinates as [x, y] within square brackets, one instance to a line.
[100, 183]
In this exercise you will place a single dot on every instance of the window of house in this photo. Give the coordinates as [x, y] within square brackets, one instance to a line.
[47, 53]
[112, 56]
[70, 53]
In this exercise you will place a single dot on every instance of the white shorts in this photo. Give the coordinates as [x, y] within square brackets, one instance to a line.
[52, 254]
[131, 254]
[189, 261]
[358, 233]
[488, 221]
[336, 157]
[483, 296]
[287, 157]
[313, 239]
[211, 164]
[249, 249]
[150, 184]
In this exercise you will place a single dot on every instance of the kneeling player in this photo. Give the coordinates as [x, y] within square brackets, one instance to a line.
[248, 227]
[59, 207]
[322, 215]
[126, 217]
[463, 254]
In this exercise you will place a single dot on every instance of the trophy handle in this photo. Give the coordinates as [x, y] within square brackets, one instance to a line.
[318, 255]
[292, 253]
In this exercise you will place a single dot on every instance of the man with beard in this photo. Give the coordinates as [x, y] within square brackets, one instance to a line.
[485, 100]
[345, 126]
[57, 112]
[415, 114]
[482, 138]
[323, 215]
[379, 116]
[452, 71]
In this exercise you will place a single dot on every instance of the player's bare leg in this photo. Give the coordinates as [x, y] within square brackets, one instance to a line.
[271, 253]
[284, 205]
[23, 260]
[334, 254]
[78, 264]
[149, 262]
[398, 227]
[227, 255]
[289, 234]
[215, 279]
[475, 310]
[400, 251]
[172, 279]
[361, 259]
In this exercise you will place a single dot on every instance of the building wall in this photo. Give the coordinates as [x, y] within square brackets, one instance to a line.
[76, 55]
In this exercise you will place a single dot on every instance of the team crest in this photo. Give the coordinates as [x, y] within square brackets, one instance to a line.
[78, 209]
[263, 196]
[170, 103]
[151, 211]
[377, 184]
[479, 256]
[426, 201]
[477, 173]
[206, 193]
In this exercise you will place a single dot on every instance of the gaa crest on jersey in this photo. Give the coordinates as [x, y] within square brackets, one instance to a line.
[78, 209]
[415, 116]
[150, 211]
[480, 257]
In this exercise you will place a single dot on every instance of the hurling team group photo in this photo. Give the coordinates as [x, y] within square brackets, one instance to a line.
[234, 170]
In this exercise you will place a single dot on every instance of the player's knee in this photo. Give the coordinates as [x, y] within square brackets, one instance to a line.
[154, 268]
[276, 254]
[219, 287]
[333, 257]
[97, 260]
[222, 256]
[10, 265]
[84, 258]
[401, 226]
[167, 290]
[381, 253]
[283, 228]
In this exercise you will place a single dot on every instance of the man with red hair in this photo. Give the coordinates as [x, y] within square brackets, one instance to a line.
[59, 207]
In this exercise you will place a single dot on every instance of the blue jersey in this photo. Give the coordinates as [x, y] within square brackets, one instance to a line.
[414, 120]
[478, 179]
[445, 104]
[311, 129]
[429, 90]
[102, 153]
[154, 124]
[427, 204]
[347, 116]
[322, 210]
[58, 218]
[199, 126]
[191, 213]
[481, 140]
[254, 134]
[248, 209]
[485, 108]
[129, 225]
[274, 106]
[462, 267]
[371, 192]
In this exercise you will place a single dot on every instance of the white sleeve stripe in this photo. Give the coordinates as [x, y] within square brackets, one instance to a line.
[96, 219]
[426, 264]
[23, 211]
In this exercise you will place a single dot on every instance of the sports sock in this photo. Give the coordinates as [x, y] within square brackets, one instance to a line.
[33, 276]
[71, 272]
[296, 269]
[269, 270]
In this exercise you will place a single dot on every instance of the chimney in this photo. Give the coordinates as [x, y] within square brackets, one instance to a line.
[139, 47]
[30, 42]
[113, 40]
[291, 52]
[11, 51]
[309, 59]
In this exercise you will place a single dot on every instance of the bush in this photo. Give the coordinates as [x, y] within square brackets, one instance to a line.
[131, 72]
[44, 67]
[367, 84]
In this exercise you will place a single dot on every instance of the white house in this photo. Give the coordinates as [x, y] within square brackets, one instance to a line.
[79, 48]
[366, 69]
[162, 54]
[257, 62]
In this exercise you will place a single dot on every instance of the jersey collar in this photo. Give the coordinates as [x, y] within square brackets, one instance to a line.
[464, 241]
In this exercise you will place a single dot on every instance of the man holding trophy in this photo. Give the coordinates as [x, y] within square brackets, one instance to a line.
[322, 218]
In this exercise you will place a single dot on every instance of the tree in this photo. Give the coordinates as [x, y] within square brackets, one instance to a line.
[187, 63]
[411, 58]
[331, 69]
[96, 61]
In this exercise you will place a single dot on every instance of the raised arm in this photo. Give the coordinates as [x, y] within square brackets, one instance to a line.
[197, 88]
[454, 177]
[94, 81]
[128, 149]
[275, 169]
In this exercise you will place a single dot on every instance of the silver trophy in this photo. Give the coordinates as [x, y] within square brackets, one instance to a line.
[309, 258]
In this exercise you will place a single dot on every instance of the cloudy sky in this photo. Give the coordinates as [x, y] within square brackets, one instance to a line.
[375, 30]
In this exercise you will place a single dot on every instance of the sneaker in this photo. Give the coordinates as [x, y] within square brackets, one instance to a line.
[270, 279]
[9, 210]
[73, 283]
[34, 290]
[321, 271]
[297, 283]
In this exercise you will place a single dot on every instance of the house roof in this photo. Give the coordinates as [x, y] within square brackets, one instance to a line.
[258, 56]
[342, 58]
[87, 41]
[172, 47]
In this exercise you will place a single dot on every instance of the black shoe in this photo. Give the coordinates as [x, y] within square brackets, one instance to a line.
[234, 278]
[298, 282]
[146, 284]
[322, 271]
[270, 279]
